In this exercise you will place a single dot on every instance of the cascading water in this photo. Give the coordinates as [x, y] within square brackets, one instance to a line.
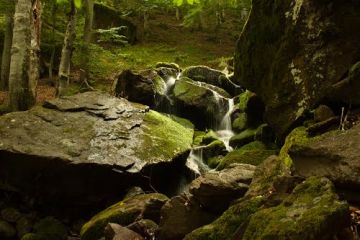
[225, 130]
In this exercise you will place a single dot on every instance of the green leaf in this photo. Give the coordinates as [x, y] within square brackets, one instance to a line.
[78, 3]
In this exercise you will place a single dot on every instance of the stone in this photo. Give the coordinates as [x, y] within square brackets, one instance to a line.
[233, 219]
[217, 189]
[262, 133]
[115, 231]
[146, 206]
[10, 215]
[145, 227]
[253, 153]
[180, 216]
[323, 113]
[32, 236]
[213, 77]
[7, 231]
[312, 211]
[51, 228]
[333, 155]
[72, 139]
[139, 86]
[305, 62]
[203, 104]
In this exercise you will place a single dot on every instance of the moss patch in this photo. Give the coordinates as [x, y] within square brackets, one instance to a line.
[168, 137]
[229, 222]
[312, 211]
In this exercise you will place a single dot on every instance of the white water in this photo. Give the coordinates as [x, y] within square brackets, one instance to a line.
[225, 130]
[170, 83]
[195, 161]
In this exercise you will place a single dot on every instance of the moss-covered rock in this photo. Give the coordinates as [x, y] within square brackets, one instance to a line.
[51, 228]
[300, 55]
[263, 133]
[312, 211]
[73, 138]
[233, 219]
[211, 76]
[253, 153]
[203, 104]
[174, 66]
[124, 213]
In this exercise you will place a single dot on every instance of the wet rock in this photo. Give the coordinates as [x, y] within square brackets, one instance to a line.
[253, 153]
[213, 77]
[10, 215]
[181, 215]
[203, 104]
[145, 227]
[333, 155]
[72, 139]
[146, 206]
[215, 190]
[116, 232]
[262, 133]
[305, 62]
[312, 211]
[141, 87]
[50, 228]
[7, 231]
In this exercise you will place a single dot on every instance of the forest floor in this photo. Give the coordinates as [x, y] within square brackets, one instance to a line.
[168, 41]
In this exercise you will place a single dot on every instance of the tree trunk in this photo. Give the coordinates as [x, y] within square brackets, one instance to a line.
[24, 65]
[6, 54]
[66, 53]
[89, 16]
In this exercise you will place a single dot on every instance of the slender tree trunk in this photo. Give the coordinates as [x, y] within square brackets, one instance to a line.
[146, 22]
[24, 65]
[66, 53]
[6, 54]
[177, 14]
[52, 57]
[89, 16]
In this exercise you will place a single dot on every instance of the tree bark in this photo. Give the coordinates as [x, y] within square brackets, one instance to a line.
[66, 53]
[6, 54]
[24, 65]
[85, 55]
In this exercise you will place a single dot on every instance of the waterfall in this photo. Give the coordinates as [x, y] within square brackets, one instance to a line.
[195, 161]
[225, 129]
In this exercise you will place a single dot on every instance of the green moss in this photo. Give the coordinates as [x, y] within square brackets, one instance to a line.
[246, 136]
[231, 221]
[198, 137]
[312, 211]
[214, 161]
[240, 123]
[123, 213]
[187, 91]
[243, 100]
[209, 137]
[168, 137]
[298, 136]
[253, 153]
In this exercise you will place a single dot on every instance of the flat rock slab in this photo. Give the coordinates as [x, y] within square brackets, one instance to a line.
[334, 155]
[88, 143]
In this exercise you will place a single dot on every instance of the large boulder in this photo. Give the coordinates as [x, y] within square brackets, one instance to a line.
[294, 54]
[54, 152]
[213, 77]
[139, 86]
[334, 155]
[312, 211]
[181, 215]
[216, 189]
